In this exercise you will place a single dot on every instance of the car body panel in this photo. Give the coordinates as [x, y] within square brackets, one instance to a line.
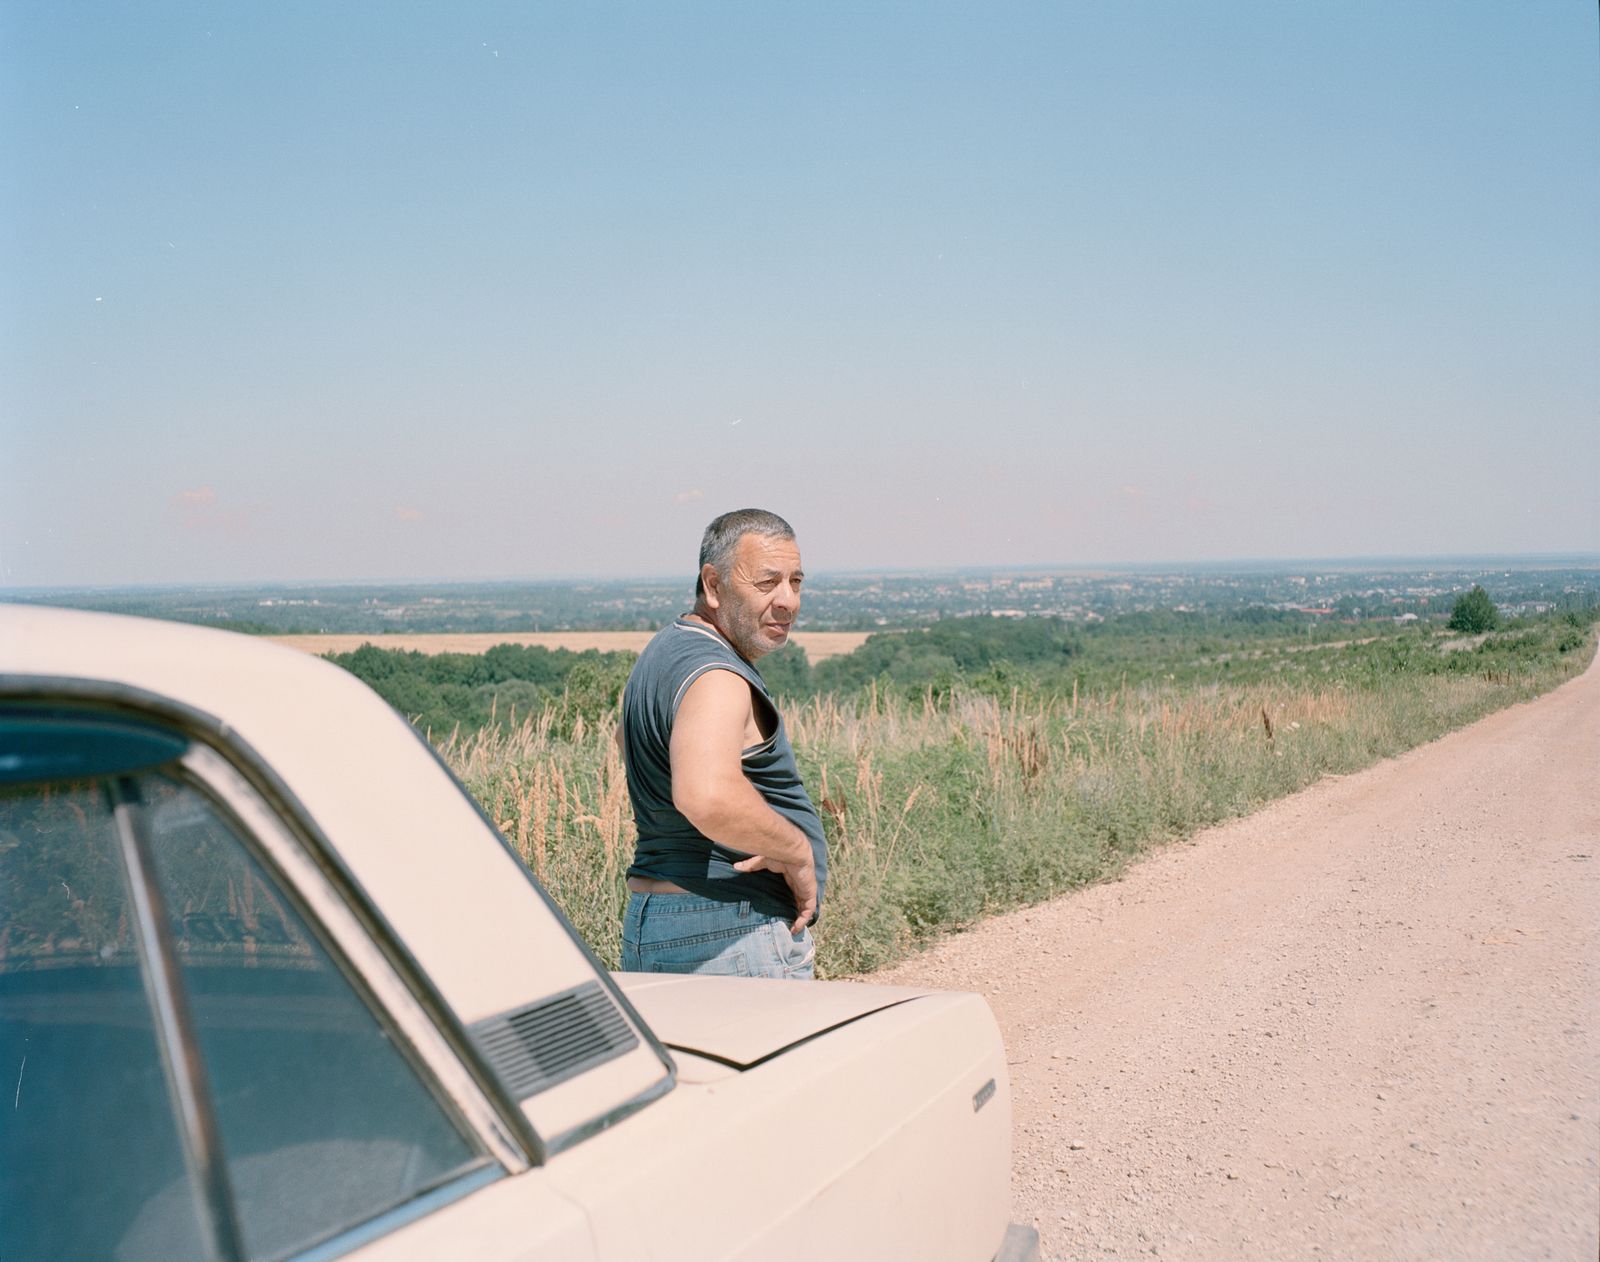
[780, 1157]
[880, 1112]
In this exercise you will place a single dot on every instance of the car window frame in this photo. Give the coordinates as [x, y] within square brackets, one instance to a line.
[188, 1087]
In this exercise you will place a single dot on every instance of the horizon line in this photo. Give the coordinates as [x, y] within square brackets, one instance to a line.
[1579, 559]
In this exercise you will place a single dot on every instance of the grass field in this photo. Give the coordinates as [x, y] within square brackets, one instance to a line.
[946, 808]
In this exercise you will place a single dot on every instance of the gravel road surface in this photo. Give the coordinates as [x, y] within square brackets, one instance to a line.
[1361, 1023]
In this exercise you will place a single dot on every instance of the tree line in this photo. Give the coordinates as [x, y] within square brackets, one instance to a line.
[509, 683]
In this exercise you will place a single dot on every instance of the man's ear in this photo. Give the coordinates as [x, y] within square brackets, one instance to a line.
[709, 580]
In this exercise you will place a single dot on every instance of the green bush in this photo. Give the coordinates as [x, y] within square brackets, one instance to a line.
[1474, 612]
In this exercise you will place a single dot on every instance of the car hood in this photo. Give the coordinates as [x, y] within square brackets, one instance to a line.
[741, 1022]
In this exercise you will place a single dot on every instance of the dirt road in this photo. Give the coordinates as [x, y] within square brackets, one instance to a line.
[1359, 1024]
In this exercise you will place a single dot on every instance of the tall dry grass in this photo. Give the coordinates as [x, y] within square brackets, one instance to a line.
[942, 810]
[561, 799]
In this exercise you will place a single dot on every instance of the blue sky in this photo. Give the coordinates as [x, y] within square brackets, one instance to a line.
[305, 291]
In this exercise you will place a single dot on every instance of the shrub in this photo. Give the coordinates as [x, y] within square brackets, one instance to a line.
[1474, 612]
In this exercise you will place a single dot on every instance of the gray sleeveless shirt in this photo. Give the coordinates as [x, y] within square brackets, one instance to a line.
[670, 848]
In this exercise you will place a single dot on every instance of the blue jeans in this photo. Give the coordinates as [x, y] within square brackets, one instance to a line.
[684, 933]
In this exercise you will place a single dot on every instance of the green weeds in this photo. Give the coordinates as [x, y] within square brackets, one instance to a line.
[970, 798]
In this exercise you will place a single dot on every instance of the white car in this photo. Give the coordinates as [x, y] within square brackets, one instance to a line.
[271, 986]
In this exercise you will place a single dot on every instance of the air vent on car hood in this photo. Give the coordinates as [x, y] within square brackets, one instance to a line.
[533, 1048]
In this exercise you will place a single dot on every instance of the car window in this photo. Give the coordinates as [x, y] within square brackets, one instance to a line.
[323, 1120]
[87, 1139]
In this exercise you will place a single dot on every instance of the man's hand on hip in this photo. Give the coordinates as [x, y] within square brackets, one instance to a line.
[802, 879]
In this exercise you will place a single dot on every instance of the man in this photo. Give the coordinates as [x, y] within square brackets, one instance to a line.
[731, 861]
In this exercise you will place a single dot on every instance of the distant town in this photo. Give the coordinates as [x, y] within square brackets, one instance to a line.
[1333, 591]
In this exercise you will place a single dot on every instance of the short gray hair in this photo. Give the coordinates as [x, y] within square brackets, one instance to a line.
[722, 537]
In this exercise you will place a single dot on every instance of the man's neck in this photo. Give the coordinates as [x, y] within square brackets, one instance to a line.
[704, 617]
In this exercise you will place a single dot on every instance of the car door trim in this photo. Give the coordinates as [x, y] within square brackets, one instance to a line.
[187, 1089]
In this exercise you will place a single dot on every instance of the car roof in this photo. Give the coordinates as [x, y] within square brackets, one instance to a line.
[398, 823]
[210, 668]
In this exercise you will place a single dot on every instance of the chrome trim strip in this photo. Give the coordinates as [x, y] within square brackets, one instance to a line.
[396, 1218]
[587, 1130]
[175, 1033]
[385, 991]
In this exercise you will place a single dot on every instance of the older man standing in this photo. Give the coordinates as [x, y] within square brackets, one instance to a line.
[731, 860]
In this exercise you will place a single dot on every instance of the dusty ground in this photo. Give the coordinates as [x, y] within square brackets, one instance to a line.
[1359, 1024]
[817, 644]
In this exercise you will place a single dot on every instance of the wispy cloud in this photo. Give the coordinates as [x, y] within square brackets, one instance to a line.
[689, 497]
[201, 510]
[404, 513]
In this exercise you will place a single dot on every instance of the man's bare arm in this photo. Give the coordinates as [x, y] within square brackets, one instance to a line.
[710, 789]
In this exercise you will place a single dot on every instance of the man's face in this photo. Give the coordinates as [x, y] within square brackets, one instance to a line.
[756, 604]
